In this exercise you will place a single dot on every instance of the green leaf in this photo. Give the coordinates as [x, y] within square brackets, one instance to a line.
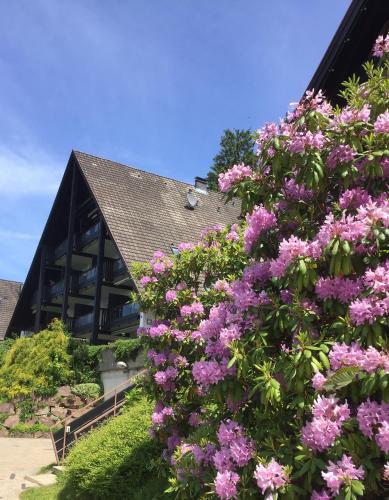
[341, 378]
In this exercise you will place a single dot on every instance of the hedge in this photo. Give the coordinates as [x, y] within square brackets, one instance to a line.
[114, 459]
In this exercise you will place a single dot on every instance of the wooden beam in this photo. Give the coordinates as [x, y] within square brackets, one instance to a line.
[99, 280]
[70, 243]
[40, 290]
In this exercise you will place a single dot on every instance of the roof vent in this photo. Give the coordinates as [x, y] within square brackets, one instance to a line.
[201, 185]
[191, 200]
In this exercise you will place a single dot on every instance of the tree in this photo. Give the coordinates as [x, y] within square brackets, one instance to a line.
[236, 146]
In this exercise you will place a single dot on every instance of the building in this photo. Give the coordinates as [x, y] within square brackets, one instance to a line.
[105, 217]
[9, 295]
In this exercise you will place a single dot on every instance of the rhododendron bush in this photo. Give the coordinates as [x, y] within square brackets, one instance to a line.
[269, 355]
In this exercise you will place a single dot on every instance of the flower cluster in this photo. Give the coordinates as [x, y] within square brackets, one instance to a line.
[373, 421]
[233, 175]
[343, 472]
[257, 222]
[381, 46]
[326, 426]
[270, 477]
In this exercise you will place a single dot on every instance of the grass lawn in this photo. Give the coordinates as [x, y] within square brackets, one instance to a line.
[41, 493]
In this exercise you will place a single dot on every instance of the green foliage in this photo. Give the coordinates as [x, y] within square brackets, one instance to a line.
[36, 366]
[87, 391]
[113, 460]
[29, 428]
[126, 349]
[85, 360]
[5, 346]
[26, 407]
[43, 493]
[236, 146]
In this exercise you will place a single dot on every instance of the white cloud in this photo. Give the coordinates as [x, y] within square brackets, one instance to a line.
[28, 172]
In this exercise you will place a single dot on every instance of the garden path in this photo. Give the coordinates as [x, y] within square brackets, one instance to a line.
[18, 457]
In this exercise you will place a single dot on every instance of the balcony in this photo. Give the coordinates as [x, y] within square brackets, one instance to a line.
[54, 290]
[124, 315]
[82, 323]
[89, 235]
[86, 279]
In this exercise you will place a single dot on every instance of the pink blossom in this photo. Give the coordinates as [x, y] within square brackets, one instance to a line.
[222, 460]
[343, 289]
[228, 432]
[318, 380]
[381, 125]
[270, 477]
[225, 484]
[340, 154]
[341, 473]
[185, 246]
[381, 46]
[235, 174]
[170, 295]
[354, 198]
[258, 221]
[242, 451]
[321, 495]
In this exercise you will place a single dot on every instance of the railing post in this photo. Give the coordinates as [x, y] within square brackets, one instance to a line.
[99, 279]
[114, 407]
[70, 244]
[64, 440]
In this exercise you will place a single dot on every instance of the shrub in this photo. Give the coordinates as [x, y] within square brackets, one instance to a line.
[126, 349]
[29, 428]
[5, 346]
[114, 459]
[84, 361]
[276, 384]
[87, 391]
[36, 366]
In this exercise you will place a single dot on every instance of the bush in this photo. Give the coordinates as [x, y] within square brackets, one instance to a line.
[277, 382]
[87, 391]
[114, 459]
[5, 346]
[85, 360]
[29, 428]
[36, 366]
[126, 349]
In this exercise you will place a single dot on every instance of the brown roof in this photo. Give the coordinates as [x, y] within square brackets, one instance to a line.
[146, 212]
[9, 294]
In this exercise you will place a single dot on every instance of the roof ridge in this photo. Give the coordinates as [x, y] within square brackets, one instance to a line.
[12, 281]
[134, 168]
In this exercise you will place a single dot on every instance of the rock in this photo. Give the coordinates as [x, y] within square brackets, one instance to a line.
[38, 435]
[11, 421]
[3, 432]
[63, 392]
[50, 402]
[7, 408]
[72, 402]
[43, 411]
[47, 421]
[59, 412]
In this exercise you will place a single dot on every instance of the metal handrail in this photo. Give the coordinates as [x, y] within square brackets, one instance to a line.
[68, 419]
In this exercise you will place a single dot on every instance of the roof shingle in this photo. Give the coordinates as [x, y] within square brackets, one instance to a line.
[9, 294]
[146, 212]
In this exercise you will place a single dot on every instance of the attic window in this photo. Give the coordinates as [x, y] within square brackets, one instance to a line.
[175, 250]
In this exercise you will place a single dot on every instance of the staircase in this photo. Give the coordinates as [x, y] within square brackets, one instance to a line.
[85, 419]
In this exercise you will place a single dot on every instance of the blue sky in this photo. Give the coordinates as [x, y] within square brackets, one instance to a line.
[149, 83]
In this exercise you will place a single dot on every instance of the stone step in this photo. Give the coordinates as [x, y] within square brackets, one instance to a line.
[41, 479]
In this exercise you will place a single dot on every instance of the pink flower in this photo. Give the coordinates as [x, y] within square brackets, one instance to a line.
[225, 484]
[381, 125]
[228, 432]
[381, 46]
[341, 473]
[318, 380]
[354, 198]
[270, 477]
[258, 221]
[340, 154]
[185, 246]
[241, 451]
[321, 495]
[235, 174]
[170, 296]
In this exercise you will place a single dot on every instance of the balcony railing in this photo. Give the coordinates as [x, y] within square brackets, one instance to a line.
[89, 235]
[61, 249]
[82, 323]
[55, 289]
[118, 268]
[123, 315]
[87, 278]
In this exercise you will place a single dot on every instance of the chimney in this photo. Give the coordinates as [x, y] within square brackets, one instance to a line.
[201, 185]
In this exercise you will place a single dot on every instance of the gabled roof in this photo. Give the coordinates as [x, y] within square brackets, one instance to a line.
[145, 212]
[9, 294]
